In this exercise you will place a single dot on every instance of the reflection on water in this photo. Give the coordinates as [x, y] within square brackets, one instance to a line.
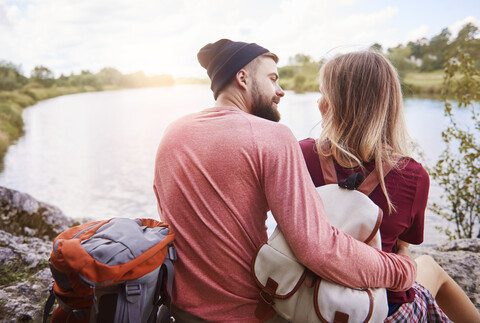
[93, 154]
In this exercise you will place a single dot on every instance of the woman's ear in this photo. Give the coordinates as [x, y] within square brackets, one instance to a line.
[323, 105]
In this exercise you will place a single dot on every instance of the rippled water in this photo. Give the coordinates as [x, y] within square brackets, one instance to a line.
[92, 154]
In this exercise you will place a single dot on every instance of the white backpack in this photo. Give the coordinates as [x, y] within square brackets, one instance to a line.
[281, 276]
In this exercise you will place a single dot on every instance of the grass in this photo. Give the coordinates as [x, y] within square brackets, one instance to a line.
[17, 272]
[426, 84]
[426, 79]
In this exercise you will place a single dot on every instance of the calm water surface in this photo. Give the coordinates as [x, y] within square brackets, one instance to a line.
[92, 154]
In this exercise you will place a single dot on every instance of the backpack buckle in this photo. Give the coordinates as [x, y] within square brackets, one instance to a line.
[133, 291]
[267, 297]
[172, 253]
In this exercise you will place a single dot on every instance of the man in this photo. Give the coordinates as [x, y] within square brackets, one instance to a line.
[219, 171]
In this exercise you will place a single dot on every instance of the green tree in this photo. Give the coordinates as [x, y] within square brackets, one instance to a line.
[110, 76]
[419, 47]
[300, 59]
[467, 40]
[137, 79]
[10, 76]
[458, 170]
[438, 49]
[62, 80]
[298, 82]
[377, 47]
[400, 58]
[85, 79]
[42, 75]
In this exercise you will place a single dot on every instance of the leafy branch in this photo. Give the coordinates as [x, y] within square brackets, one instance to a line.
[457, 171]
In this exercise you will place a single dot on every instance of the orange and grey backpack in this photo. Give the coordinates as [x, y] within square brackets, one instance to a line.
[117, 270]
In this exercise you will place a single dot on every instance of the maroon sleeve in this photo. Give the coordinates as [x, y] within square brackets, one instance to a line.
[414, 234]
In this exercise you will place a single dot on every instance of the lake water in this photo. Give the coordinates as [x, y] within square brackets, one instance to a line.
[92, 154]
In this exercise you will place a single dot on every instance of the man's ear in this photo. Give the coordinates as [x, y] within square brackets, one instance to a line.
[242, 78]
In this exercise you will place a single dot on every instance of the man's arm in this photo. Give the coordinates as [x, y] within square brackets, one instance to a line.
[329, 252]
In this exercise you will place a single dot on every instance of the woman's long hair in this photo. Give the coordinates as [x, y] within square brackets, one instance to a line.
[364, 120]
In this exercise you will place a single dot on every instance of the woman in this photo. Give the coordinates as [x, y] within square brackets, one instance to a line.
[364, 128]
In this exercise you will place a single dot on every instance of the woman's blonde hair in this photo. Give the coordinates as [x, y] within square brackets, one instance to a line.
[364, 120]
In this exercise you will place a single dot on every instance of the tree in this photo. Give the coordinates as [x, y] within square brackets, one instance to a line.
[438, 48]
[377, 47]
[300, 59]
[298, 82]
[110, 76]
[10, 76]
[62, 80]
[400, 58]
[42, 75]
[85, 79]
[467, 40]
[137, 79]
[418, 47]
[458, 170]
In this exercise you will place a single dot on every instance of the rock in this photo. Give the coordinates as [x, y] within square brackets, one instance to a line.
[461, 260]
[25, 248]
[28, 228]
[21, 214]
[24, 277]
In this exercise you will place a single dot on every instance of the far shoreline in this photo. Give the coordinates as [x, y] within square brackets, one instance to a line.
[13, 102]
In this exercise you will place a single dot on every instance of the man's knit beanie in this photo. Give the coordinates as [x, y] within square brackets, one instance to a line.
[224, 58]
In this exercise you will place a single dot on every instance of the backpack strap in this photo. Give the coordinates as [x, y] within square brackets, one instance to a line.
[79, 314]
[48, 305]
[162, 297]
[370, 182]
[327, 165]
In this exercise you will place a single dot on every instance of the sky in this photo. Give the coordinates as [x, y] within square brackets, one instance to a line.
[164, 36]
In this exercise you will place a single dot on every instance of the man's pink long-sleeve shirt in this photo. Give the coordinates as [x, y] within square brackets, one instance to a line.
[217, 174]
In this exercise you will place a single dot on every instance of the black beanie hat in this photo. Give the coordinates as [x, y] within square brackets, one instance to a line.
[224, 58]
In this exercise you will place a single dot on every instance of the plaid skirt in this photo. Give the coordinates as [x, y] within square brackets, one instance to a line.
[422, 309]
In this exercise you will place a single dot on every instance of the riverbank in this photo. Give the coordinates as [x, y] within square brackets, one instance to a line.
[12, 104]
[29, 226]
[414, 84]
[298, 79]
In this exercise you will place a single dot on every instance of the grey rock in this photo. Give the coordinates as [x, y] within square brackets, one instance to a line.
[25, 248]
[21, 214]
[461, 260]
[24, 301]
[25, 277]
[28, 252]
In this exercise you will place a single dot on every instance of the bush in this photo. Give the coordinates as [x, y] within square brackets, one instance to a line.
[11, 123]
[10, 76]
[18, 98]
[458, 170]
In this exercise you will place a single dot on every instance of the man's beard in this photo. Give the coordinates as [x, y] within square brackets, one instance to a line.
[263, 107]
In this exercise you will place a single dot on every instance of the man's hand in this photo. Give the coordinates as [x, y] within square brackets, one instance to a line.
[402, 249]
